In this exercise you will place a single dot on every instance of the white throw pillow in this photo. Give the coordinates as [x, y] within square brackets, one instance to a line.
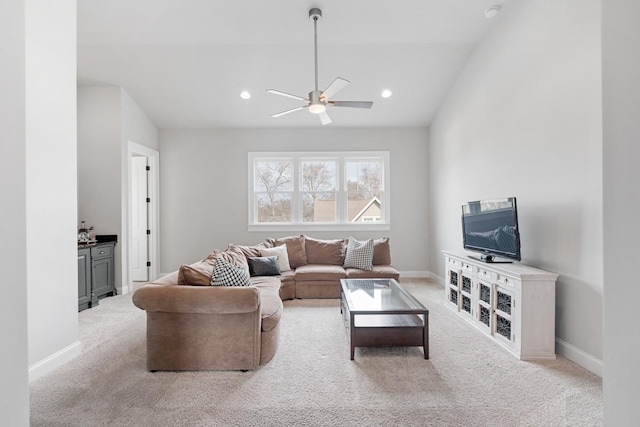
[281, 253]
[359, 254]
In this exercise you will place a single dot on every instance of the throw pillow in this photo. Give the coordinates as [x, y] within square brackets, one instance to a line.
[232, 255]
[247, 251]
[295, 249]
[281, 253]
[359, 254]
[325, 251]
[263, 266]
[381, 251]
[198, 274]
[227, 274]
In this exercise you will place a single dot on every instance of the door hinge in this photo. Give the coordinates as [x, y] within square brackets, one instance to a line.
[148, 199]
[148, 263]
[148, 168]
[148, 231]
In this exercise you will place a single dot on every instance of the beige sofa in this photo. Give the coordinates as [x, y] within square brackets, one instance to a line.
[196, 327]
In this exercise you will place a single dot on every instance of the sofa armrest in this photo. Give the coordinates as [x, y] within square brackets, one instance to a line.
[197, 299]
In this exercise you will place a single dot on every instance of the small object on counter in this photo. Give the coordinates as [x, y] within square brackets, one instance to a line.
[83, 233]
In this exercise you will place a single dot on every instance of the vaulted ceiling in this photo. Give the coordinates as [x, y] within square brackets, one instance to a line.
[185, 62]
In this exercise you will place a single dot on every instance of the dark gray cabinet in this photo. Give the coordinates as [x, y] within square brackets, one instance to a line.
[96, 274]
[84, 278]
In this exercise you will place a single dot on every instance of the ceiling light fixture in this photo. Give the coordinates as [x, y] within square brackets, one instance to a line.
[245, 95]
[492, 11]
[386, 93]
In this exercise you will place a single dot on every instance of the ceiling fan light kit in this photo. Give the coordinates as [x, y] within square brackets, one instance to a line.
[319, 100]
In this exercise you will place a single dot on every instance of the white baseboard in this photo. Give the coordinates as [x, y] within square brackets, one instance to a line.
[578, 356]
[54, 361]
[414, 274]
[437, 278]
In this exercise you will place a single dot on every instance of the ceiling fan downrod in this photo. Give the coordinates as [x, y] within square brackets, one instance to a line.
[316, 15]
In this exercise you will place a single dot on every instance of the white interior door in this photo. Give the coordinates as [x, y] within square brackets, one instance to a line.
[138, 255]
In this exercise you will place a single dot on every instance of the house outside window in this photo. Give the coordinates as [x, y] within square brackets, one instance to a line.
[319, 191]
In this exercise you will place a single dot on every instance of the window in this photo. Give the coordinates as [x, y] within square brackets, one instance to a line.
[319, 191]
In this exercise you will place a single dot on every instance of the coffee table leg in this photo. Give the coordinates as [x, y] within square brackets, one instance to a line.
[426, 335]
[353, 335]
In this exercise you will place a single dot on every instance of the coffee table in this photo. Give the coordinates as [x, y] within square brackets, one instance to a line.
[378, 312]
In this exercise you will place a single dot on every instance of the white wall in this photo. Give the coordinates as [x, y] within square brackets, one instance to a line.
[621, 92]
[204, 188]
[524, 120]
[52, 271]
[99, 161]
[107, 118]
[14, 391]
[138, 127]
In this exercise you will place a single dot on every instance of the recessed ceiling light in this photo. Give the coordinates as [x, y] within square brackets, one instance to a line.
[492, 11]
[386, 93]
[245, 95]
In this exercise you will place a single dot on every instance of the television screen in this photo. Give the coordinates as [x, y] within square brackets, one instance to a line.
[491, 227]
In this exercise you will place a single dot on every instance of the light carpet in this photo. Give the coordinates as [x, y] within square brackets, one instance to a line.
[469, 380]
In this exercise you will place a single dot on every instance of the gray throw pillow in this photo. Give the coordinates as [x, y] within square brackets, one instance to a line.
[263, 266]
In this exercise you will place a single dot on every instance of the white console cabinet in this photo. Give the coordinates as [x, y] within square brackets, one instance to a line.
[512, 303]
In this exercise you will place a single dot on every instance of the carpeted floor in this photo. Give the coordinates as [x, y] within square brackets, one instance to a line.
[469, 380]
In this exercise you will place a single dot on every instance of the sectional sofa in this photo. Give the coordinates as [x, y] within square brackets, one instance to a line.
[194, 326]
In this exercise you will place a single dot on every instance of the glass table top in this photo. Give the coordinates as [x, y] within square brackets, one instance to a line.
[378, 295]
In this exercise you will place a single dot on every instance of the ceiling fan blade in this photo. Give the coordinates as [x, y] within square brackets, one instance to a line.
[282, 113]
[288, 95]
[352, 104]
[337, 85]
[324, 118]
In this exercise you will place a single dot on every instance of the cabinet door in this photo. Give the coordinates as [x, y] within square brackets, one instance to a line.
[466, 306]
[504, 315]
[452, 288]
[102, 276]
[84, 279]
[484, 306]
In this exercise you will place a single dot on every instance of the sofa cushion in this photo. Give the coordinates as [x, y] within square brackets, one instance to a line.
[247, 251]
[231, 255]
[319, 272]
[270, 303]
[263, 266]
[295, 249]
[228, 274]
[281, 253]
[287, 276]
[325, 251]
[381, 251]
[359, 254]
[377, 271]
[197, 274]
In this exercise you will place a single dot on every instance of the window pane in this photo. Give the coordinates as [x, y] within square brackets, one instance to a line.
[319, 207]
[364, 175]
[318, 176]
[364, 206]
[274, 207]
[274, 175]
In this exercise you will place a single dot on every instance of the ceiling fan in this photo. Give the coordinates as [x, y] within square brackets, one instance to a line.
[318, 101]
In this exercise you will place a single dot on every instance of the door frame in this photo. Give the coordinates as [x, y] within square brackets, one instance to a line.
[153, 161]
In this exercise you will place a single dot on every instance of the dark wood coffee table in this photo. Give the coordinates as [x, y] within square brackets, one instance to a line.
[378, 312]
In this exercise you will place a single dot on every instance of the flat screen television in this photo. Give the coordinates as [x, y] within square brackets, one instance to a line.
[491, 228]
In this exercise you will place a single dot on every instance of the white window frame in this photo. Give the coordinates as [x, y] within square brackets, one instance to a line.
[341, 194]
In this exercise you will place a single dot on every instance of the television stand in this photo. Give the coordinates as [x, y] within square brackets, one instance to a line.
[511, 303]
